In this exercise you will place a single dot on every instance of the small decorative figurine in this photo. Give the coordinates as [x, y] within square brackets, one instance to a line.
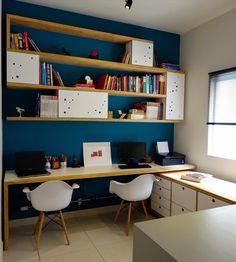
[94, 54]
[110, 114]
[74, 162]
[20, 110]
[87, 80]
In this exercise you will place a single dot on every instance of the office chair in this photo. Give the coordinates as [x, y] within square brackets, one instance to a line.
[50, 196]
[137, 190]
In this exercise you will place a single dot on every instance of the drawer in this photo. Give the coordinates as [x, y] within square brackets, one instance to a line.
[161, 191]
[160, 200]
[206, 202]
[177, 210]
[184, 196]
[164, 183]
[160, 209]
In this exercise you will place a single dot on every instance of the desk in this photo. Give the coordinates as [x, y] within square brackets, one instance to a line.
[74, 174]
[207, 235]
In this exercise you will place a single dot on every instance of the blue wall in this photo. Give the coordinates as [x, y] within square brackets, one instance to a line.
[57, 138]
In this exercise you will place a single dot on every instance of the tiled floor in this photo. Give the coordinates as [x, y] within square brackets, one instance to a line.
[93, 236]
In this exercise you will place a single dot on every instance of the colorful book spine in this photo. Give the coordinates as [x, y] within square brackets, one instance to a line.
[44, 77]
[26, 42]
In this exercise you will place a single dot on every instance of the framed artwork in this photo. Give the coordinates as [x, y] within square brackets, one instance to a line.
[97, 154]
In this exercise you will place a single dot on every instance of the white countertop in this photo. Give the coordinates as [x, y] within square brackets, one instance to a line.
[206, 236]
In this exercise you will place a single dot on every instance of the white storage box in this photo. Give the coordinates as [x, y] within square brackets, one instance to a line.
[141, 52]
[83, 104]
[22, 68]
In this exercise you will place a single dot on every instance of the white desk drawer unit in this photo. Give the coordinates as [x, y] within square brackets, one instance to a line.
[160, 198]
[184, 196]
[206, 202]
[177, 210]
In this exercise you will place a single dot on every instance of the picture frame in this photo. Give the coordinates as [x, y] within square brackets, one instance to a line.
[97, 154]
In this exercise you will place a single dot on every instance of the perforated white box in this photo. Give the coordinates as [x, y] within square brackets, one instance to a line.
[83, 104]
[141, 52]
[175, 96]
[22, 68]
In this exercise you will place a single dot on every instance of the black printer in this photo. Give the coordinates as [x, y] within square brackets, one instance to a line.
[167, 159]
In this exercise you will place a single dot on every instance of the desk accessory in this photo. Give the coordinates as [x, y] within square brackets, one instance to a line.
[121, 114]
[74, 162]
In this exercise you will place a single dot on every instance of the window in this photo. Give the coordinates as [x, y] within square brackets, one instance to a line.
[222, 114]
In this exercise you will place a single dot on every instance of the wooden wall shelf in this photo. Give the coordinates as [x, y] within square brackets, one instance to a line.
[94, 63]
[13, 118]
[69, 30]
[22, 86]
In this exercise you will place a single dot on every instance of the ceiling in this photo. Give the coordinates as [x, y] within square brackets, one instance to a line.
[177, 16]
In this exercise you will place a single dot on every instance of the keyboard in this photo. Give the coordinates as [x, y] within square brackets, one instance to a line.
[133, 167]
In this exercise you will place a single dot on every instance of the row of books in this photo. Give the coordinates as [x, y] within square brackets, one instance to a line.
[47, 106]
[23, 41]
[49, 76]
[150, 84]
[125, 57]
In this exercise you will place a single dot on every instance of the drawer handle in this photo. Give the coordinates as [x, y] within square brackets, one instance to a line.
[183, 188]
[183, 209]
[160, 188]
[160, 207]
[159, 197]
[160, 179]
[213, 200]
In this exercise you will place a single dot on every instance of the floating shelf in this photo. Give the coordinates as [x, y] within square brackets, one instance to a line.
[22, 86]
[69, 30]
[94, 63]
[13, 118]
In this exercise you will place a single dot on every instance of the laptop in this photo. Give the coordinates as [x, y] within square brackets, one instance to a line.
[30, 163]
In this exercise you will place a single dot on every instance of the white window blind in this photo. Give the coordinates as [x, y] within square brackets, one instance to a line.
[222, 114]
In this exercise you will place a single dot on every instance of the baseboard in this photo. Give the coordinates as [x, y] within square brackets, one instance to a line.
[76, 213]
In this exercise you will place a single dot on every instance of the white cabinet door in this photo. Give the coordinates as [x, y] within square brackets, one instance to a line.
[206, 202]
[184, 196]
[160, 209]
[175, 96]
[177, 210]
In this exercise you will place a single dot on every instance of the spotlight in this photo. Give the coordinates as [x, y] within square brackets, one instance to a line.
[128, 3]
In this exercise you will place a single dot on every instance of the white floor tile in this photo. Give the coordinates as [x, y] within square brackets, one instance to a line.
[84, 255]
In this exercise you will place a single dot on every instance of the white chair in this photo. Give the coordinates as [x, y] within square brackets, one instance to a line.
[49, 197]
[137, 190]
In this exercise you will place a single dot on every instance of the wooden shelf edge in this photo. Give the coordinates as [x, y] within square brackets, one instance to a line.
[15, 118]
[70, 30]
[94, 63]
[22, 86]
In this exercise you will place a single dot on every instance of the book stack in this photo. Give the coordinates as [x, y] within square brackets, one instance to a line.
[23, 41]
[153, 110]
[170, 66]
[48, 106]
[49, 76]
[125, 57]
[196, 177]
[136, 114]
[150, 84]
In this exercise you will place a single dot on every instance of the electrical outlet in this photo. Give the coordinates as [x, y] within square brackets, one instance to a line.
[79, 201]
[25, 208]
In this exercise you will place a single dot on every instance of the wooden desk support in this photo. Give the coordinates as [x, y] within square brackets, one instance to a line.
[74, 174]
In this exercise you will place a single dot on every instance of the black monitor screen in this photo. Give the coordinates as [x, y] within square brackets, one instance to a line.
[128, 151]
[29, 160]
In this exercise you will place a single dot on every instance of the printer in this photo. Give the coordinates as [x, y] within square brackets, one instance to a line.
[166, 158]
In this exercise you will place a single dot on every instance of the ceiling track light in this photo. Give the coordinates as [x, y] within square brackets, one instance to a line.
[128, 4]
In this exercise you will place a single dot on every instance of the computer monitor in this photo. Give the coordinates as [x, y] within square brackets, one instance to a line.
[131, 153]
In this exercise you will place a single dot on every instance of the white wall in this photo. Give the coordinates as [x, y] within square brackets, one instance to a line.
[207, 48]
[0, 129]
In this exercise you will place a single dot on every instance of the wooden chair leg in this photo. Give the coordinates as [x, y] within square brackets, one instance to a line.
[118, 211]
[64, 227]
[128, 220]
[40, 226]
[144, 208]
[36, 228]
